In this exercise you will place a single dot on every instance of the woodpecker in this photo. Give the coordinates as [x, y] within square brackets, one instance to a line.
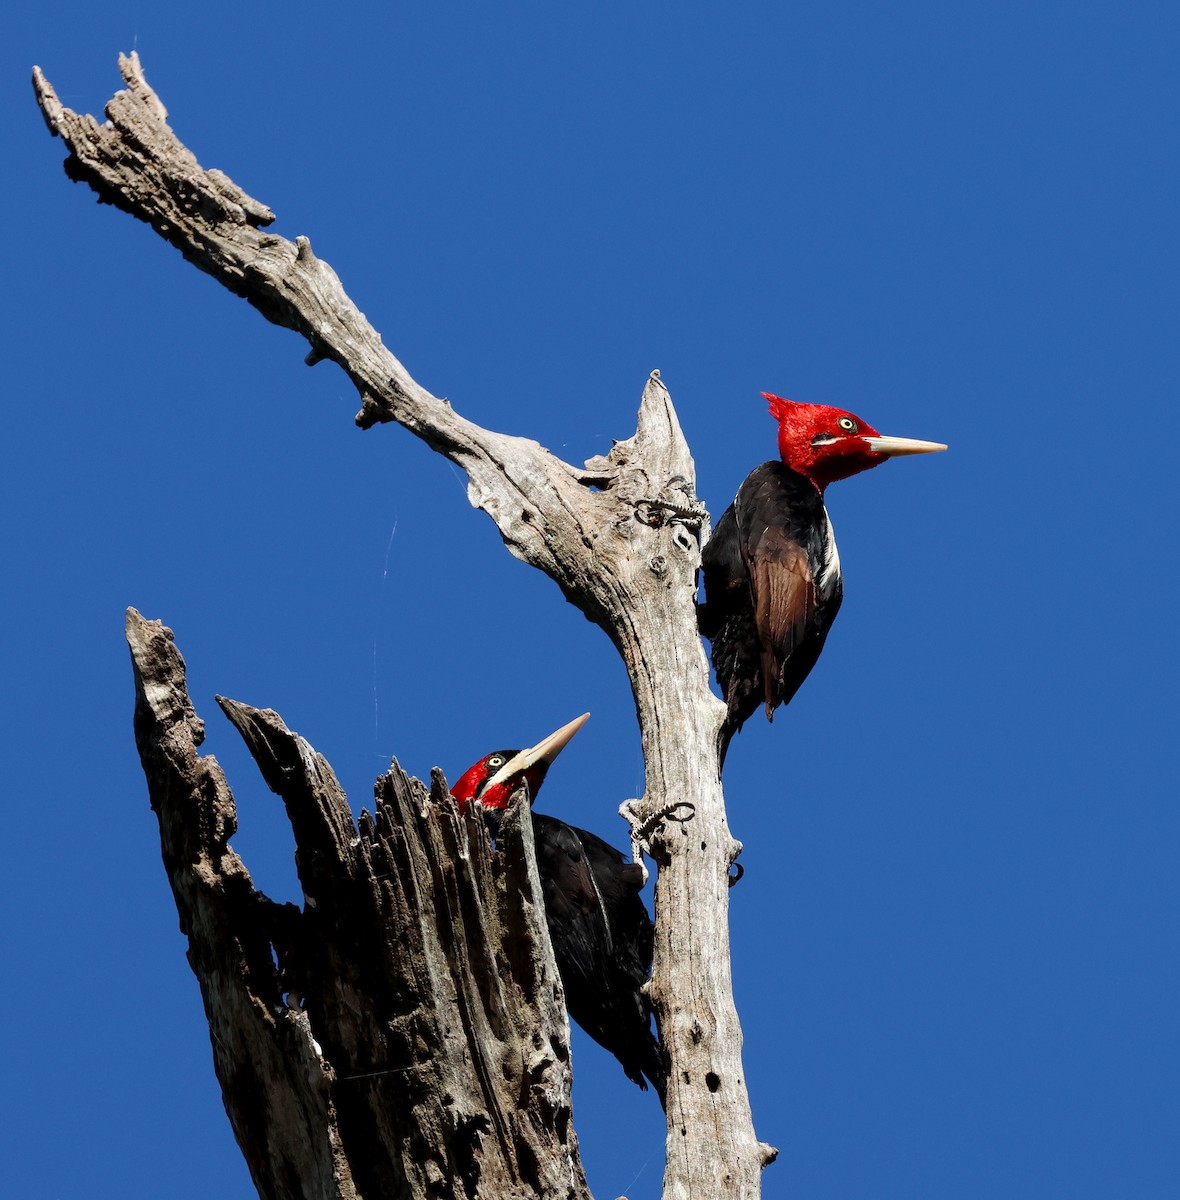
[602, 936]
[771, 570]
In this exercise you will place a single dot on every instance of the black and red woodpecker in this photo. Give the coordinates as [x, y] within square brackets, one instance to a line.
[771, 571]
[600, 930]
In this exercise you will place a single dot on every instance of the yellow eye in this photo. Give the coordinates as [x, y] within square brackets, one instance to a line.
[495, 760]
[847, 424]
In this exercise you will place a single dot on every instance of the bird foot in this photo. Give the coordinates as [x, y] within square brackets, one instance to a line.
[680, 812]
[641, 830]
[659, 511]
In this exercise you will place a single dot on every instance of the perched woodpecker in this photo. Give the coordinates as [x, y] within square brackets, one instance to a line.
[771, 570]
[599, 927]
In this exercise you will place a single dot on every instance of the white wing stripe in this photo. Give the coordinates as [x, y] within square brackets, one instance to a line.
[829, 567]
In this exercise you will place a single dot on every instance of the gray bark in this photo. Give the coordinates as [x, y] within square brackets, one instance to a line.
[620, 536]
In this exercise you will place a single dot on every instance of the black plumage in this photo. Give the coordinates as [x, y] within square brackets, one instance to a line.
[602, 940]
[773, 586]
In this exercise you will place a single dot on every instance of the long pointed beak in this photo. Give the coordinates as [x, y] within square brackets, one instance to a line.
[894, 446]
[544, 751]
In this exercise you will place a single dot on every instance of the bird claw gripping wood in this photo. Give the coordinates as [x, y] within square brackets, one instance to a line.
[676, 503]
[641, 830]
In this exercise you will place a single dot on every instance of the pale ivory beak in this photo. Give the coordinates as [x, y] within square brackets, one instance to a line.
[894, 446]
[544, 751]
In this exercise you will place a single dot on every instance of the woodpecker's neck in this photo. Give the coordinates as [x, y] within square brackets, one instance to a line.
[818, 465]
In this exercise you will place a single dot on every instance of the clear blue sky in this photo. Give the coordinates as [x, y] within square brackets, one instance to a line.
[955, 942]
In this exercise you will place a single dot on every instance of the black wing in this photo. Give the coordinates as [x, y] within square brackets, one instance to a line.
[772, 590]
[602, 940]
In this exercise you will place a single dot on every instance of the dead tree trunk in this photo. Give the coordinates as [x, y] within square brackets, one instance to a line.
[402, 1036]
[620, 538]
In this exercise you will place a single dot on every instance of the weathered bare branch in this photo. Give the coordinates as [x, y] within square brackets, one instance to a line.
[619, 537]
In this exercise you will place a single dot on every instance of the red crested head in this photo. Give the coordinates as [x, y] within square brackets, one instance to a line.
[493, 780]
[825, 444]
[475, 785]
